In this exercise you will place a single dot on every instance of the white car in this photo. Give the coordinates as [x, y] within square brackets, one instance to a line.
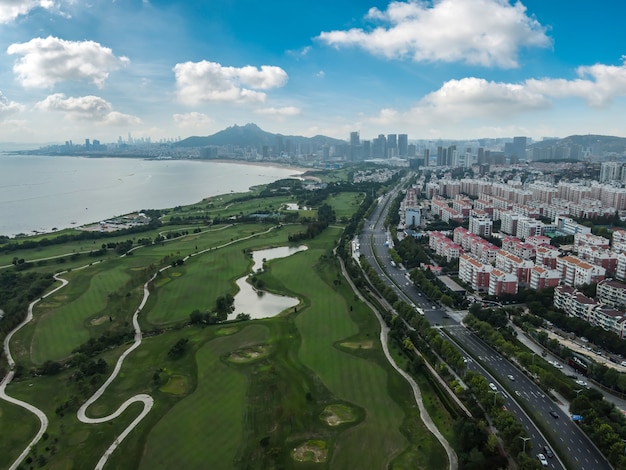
[582, 383]
[493, 387]
[542, 460]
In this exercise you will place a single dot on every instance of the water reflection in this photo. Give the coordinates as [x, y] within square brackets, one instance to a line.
[258, 303]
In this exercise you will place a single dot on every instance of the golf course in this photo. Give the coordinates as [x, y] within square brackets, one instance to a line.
[139, 362]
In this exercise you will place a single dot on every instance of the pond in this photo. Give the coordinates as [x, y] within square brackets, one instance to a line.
[258, 303]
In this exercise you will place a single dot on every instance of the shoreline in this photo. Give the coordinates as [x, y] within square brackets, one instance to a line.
[298, 172]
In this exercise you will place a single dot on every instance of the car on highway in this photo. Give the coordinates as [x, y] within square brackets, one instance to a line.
[542, 460]
[582, 383]
[554, 414]
[493, 387]
[511, 377]
[548, 452]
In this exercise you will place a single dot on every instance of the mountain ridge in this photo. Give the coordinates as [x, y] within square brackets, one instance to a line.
[251, 135]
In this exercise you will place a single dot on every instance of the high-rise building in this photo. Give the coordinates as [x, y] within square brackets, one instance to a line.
[354, 138]
[403, 145]
[366, 149]
[610, 171]
[379, 147]
[442, 154]
[392, 145]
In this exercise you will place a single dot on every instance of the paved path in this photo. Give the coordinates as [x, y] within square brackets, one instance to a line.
[43, 419]
[147, 400]
[453, 461]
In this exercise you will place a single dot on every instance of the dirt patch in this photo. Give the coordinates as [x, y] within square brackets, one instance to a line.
[366, 344]
[337, 414]
[99, 320]
[249, 354]
[311, 451]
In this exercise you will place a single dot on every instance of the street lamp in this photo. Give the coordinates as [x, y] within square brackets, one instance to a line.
[524, 439]
[578, 391]
[495, 394]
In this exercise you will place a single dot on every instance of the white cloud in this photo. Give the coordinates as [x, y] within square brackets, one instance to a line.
[300, 52]
[8, 107]
[11, 9]
[46, 61]
[193, 120]
[478, 32]
[471, 98]
[320, 74]
[203, 81]
[476, 96]
[86, 108]
[285, 111]
[598, 84]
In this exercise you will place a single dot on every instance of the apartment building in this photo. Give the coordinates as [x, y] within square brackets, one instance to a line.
[474, 273]
[611, 293]
[502, 283]
[543, 278]
[576, 272]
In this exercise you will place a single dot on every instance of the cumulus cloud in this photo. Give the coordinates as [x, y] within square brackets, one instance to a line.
[473, 97]
[478, 32]
[11, 9]
[8, 107]
[193, 120]
[598, 84]
[285, 111]
[204, 81]
[477, 96]
[91, 108]
[46, 61]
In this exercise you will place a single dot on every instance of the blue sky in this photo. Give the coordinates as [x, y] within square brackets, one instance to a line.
[451, 69]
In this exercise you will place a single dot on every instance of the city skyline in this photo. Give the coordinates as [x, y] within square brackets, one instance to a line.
[445, 69]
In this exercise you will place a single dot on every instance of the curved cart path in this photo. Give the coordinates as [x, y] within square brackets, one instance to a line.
[147, 400]
[453, 460]
[43, 419]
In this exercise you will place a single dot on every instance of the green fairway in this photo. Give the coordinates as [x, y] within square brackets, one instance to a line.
[22, 426]
[205, 429]
[345, 204]
[62, 327]
[310, 388]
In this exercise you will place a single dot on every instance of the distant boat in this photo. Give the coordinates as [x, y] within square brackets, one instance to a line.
[73, 222]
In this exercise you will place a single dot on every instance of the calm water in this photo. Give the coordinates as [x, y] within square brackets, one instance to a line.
[39, 193]
[260, 304]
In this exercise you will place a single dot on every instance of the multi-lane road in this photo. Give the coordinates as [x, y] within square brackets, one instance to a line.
[571, 447]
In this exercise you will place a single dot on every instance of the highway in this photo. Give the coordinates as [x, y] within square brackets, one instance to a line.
[570, 444]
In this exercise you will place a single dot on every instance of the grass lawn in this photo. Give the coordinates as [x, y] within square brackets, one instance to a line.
[327, 320]
[345, 204]
[205, 429]
[64, 316]
[242, 394]
[22, 425]
[203, 278]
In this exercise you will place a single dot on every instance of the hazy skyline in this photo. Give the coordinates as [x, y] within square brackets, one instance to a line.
[452, 69]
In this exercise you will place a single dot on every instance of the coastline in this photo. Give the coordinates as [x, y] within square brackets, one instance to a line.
[264, 164]
[69, 193]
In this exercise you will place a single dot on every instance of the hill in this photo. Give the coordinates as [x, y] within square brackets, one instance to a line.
[605, 143]
[252, 135]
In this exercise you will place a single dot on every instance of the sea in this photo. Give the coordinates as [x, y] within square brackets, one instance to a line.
[47, 193]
